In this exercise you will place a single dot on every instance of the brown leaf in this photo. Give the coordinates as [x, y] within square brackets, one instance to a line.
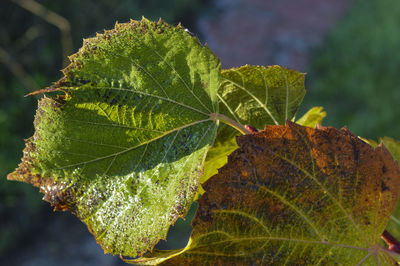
[296, 195]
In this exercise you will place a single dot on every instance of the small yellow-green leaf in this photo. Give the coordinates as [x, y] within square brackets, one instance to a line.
[371, 142]
[216, 158]
[257, 96]
[294, 195]
[313, 117]
[123, 149]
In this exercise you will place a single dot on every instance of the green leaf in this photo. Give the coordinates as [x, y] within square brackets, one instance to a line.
[260, 96]
[257, 96]
[294, 195]
[216, 158]
[313, 117]
[123, 149]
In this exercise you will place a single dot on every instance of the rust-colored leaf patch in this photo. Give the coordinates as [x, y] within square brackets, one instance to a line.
[296, 195]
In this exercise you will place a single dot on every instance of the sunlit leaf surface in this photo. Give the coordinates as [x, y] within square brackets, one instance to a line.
[257, 96]
[313, 117]
[124, 147]
[294, 195]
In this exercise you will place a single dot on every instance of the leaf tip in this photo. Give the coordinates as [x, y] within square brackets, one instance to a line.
[144, 20]
[51, 88]
[12, 177]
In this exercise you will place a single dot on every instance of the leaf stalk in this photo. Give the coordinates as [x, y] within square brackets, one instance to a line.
[230, 122]
[394, 244]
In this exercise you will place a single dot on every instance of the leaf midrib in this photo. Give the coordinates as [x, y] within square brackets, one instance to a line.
[136, 146]
[134, 90]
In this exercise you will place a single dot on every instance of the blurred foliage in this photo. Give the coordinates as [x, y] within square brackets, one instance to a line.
[34, 47]
[355, 74]
[17, 203]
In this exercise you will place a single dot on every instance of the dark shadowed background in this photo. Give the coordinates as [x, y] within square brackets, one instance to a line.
[350, 50]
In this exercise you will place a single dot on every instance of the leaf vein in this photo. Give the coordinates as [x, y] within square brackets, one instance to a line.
[324, 189]
[136, 146]
[176, 72]
[114, 125]
[245, 214]
[295, 208]
[148, 95]
[255, 98]
[228, 107]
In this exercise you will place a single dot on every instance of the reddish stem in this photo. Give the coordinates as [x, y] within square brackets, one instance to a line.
[251, 128]
[393, 243]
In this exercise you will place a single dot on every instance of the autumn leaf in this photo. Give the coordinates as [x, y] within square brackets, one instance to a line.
[257, 96]
[393, 146]
[294, 195]
[123, 149]
[394, 223]
[218, 154]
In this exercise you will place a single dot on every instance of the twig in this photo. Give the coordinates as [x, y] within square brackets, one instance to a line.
[54, 19]
[394, 244]
[251, 128]
[31, 34]
[17, 69]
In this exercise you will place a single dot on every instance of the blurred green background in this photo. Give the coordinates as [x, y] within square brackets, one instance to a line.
[354, 74]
